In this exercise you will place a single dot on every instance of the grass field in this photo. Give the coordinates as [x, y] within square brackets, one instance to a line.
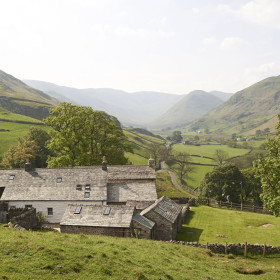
[49, 255]
[208, 150]
[204, 223]
[165, 187]
[137, 159]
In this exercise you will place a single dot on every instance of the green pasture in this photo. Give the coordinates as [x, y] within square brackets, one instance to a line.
[208, 150]
[136, 159]
[165, 187]
[6, 115]
[49, 255]
[204, 224]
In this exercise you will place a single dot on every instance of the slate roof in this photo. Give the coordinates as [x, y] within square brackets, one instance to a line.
[129, 182]
[130, 172]
[143, 221]
[41, 184]
[139, 191]
[120, 216]
[166, 208]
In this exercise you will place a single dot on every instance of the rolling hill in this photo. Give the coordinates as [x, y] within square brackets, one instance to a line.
[17, 97]
[136, 109]
[247, 110]
[190, 107]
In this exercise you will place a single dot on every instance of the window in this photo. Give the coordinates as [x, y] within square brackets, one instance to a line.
[78, 210]
[28, 206]
[88, 187]
[50, 211]
[107, 211]
[58, 179]
[79, 187]
[12, 177]
[87, 194]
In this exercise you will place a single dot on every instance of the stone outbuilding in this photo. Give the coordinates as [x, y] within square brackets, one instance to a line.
[167, 216]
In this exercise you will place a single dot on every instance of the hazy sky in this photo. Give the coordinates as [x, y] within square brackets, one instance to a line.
[161, 45]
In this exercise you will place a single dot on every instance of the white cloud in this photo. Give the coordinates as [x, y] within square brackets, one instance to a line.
[195, 11]
[259, 72]
[231, 43]
[209, 41]
[263, 12]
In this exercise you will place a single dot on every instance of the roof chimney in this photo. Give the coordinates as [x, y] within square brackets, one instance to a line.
[104, 164]
[27, 166]
[151, 162]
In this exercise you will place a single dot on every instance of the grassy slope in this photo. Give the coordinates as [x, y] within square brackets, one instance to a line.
[39, 255]
[245, 110]
[205, 222]
[141, 144]
[165, 187]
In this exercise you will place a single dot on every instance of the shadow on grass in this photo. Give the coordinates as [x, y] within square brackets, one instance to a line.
[188, 233]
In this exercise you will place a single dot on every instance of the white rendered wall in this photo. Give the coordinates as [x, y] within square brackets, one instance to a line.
[59, 207]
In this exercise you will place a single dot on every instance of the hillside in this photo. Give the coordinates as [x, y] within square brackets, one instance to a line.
[50, 255]
[190, 107]
[246, 110]
[135, 109]
[17, 97]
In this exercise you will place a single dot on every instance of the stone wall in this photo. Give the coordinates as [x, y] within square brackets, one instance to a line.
[180, 200]
[27, 219]
[145, 233]
[163, 228]
[237, 248]
[107, 231]
[3, 212]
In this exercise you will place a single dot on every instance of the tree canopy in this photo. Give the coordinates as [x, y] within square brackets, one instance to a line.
[268, 171]
[32, 146]
[223, 183]
[82, 136]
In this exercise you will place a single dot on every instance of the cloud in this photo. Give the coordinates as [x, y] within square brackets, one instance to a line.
[231, 43]
[195, 11]
[261, 12]
[209, 41]
[256, 73]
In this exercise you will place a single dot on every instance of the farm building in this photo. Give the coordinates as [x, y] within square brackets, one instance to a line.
[122, 191]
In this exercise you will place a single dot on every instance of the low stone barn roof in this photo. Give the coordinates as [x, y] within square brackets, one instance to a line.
[54, 184]
[118, 216]
[143, 221]
[166, 208]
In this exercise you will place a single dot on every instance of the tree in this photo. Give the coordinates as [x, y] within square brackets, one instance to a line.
[223, 183]
[32, 146]
[17, 155]
[182, 161]
[82, 136]
[268, 171]
[252, 187]
[177, 136]
[220, 156]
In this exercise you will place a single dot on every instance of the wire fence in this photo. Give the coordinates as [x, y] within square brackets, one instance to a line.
[233, 206]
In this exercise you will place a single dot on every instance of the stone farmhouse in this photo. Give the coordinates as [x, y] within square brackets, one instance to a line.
[112, 200]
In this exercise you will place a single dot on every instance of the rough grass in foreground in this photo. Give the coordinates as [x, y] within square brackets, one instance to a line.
[49, 255]
[204, 223]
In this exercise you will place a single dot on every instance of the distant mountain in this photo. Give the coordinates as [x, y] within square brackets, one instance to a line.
[222, 95]
[17, 97]
[135, 109]
[192, 106]
[246, 110]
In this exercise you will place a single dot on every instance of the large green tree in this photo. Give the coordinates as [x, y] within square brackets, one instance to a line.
[224, 183]
[82, 136]
[268, 171]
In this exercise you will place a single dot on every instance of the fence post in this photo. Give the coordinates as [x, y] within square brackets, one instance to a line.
[253, 208]
[206, 245]
[226, 249]
[264, 245]
[241, 206]
[220, 203]
[231, 205]
[245, 250]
